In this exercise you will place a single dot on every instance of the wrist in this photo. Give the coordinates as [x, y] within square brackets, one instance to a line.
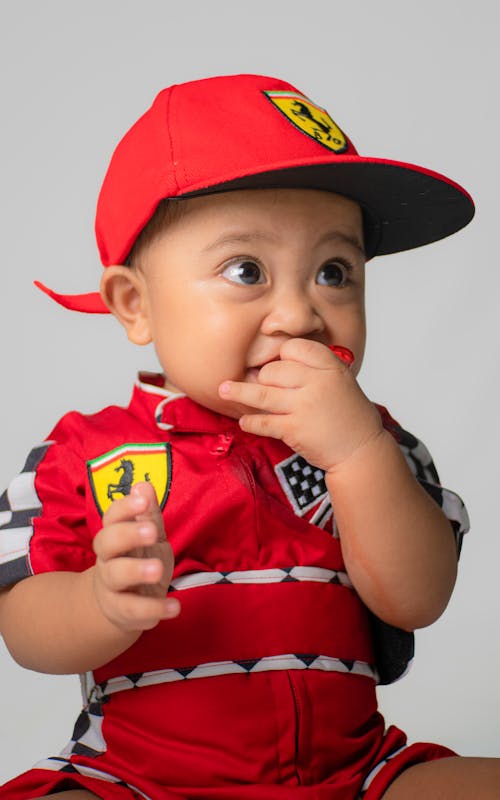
[108, 630]
[375, 445]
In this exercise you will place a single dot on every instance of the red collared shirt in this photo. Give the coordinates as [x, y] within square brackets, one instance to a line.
[258, 564]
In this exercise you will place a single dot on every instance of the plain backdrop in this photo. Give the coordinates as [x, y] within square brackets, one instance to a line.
[410, 81]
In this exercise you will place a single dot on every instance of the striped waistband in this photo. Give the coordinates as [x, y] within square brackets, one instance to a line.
[95, 692]
[250, 621]
[260, 576]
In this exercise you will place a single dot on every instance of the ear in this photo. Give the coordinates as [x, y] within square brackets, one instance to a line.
[123, 290]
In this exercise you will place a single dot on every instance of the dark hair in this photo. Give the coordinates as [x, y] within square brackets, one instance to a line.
[170, 210]
[167, 211]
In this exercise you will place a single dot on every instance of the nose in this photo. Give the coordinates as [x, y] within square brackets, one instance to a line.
[292, 313]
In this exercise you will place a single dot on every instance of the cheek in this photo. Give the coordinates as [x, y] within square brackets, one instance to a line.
[360, 339]
[348, 328]
[347, 320]
[204, 339]
[175, 318]
[227, 326]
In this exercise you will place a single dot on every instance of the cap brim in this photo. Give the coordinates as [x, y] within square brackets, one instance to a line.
[405, 206]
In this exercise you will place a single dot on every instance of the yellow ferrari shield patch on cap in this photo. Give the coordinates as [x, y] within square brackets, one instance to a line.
[113, 474]
[310, 119]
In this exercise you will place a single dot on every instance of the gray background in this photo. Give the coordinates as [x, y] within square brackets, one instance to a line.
[411, 81]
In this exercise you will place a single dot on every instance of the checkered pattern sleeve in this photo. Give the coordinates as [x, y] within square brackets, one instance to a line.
[42, 512]
[422, 466]
[394, 648]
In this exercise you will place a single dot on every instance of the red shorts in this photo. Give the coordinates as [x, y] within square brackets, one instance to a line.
[272, 735]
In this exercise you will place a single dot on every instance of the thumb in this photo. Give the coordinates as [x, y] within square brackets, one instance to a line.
[152, 510]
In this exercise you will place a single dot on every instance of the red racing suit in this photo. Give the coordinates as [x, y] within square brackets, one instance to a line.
[264, 686]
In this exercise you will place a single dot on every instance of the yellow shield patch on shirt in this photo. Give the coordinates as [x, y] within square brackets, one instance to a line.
[310, 119]
[113, 474]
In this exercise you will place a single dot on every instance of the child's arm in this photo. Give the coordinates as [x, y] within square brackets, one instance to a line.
[397, 544]
[63, 622]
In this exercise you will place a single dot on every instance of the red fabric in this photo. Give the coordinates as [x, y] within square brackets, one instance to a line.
[45, 782]
[224, 133]
[304, 732]
[204, 134]
[228, 624]
[246, 503]
[411, 755]
[296, 776]
[88, 303]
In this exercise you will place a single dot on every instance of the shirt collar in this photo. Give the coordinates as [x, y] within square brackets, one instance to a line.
[175, 411]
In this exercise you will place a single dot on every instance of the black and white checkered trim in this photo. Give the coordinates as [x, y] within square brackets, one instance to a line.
[376, 769]
[87, 738]
[305, 487]
[303, 484]
[422, 466]
[323, 514]
[19, 504]
[418, 457]
[63, 765]
[98, 692]
[260, 576]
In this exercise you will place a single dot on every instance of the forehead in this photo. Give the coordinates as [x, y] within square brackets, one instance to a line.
[274, 210]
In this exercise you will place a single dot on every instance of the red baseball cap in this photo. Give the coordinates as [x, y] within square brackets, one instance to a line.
[247, 132]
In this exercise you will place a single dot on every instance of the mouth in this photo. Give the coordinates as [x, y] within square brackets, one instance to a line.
[253, 372]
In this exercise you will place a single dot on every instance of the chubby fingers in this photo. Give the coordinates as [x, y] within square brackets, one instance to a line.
[144, 493]
[137, 502]
[124, 573]
[131, 591]
[118, 538]
[257, 396]
[315, 354]
[300, 359]
[132, 549]
[131, 611]
[127, 559]
[275, 403]
[140, 505]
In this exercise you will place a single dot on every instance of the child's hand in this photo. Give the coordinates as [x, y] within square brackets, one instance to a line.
[311, 401]
[134, 563]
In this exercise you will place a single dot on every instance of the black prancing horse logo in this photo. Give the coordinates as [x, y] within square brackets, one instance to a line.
[124, 485]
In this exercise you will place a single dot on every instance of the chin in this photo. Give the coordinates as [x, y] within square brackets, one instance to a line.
[232, 410]
[215, 403]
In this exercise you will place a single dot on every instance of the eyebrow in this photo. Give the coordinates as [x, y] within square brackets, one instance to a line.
[245, 238]
[332, 236]
[239, 238]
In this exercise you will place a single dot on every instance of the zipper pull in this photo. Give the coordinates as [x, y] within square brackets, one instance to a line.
[222, 444]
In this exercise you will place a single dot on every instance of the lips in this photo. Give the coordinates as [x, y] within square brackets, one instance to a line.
[253, 372]
[267, 361]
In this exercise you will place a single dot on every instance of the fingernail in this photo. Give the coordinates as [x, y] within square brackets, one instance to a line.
[146, 532]
[172, 607]
[225, 387]
[138, 500]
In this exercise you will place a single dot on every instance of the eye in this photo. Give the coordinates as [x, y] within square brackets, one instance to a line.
[335, 273]
[244, 271]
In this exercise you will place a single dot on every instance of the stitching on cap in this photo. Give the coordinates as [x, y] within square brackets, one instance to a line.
[168, 115]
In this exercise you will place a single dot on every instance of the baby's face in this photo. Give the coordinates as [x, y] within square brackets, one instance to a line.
[240, 273]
